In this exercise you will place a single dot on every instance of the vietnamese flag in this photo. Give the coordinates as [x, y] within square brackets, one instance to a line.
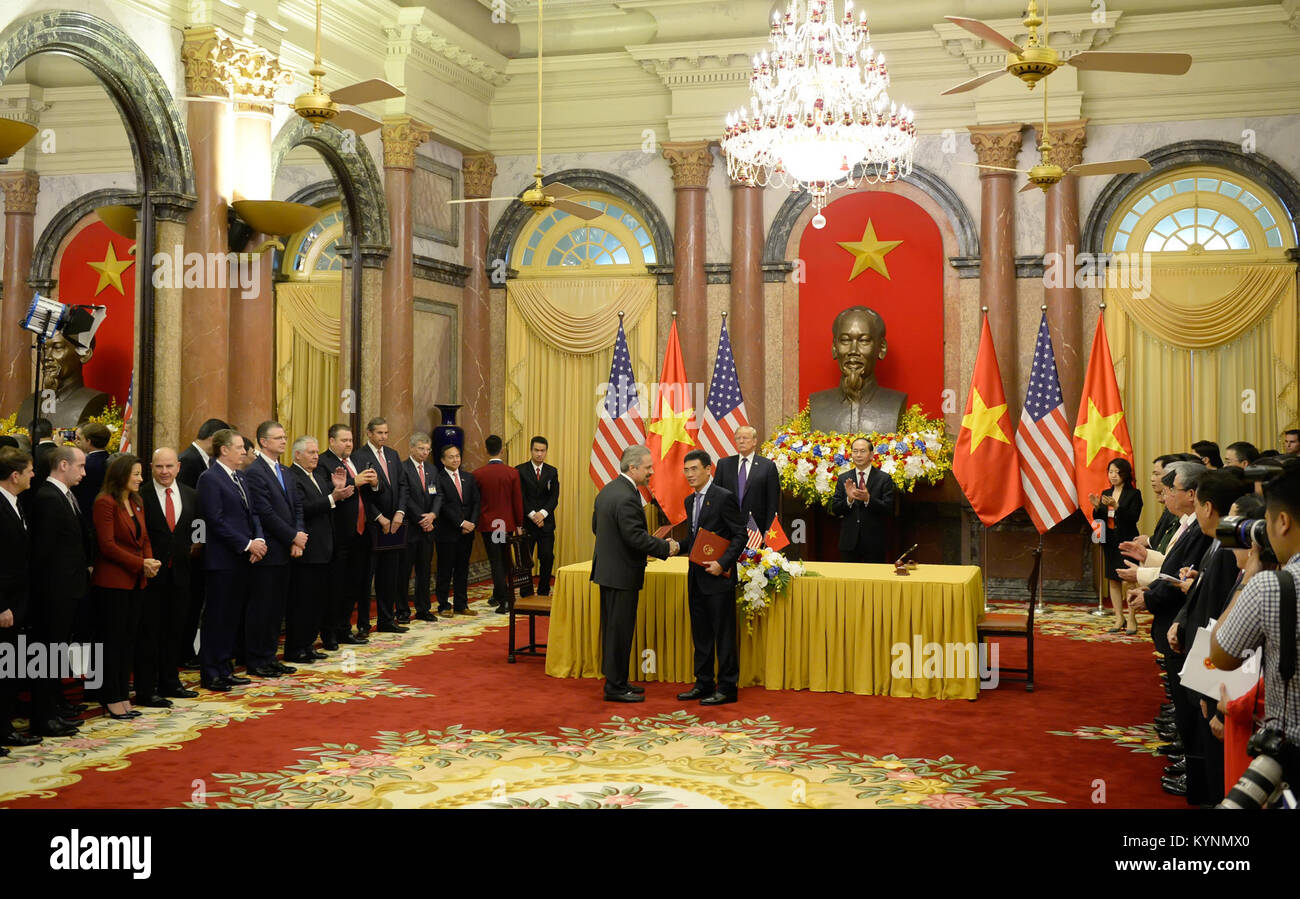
[1100, 432]
[985, 460]
[775, 537]
[671, 434]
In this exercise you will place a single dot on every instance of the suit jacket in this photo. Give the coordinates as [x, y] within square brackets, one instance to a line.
[622, 540]
[455, 509]
[720, 514]
[313, 493]
[539, 494]
[277, 508]
[88, 489]
[388, 497]
[1165, 524]
[123, 545]
[230, 522]
[15, 571]
[192, 467]
[421, 499]
[1127, 513]
[172, 545]
[864, 521]
[501, 497]
[345, 510]
[1165, 599]
[1209, 595]
[62, 549]
[762, 487]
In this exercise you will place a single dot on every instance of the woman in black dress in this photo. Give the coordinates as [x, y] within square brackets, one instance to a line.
[1119, 508]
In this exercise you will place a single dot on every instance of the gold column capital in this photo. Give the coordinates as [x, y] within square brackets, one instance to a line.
[996, 144]
[401, 136]
[1067, 139]
[217, 64]
[20, 190]
[691, 162]
[478, 171]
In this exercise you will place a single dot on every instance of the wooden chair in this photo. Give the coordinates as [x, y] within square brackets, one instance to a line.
[521, 577]
[1017, 624]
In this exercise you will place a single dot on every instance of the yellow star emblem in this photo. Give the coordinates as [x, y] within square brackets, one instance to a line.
[1099, 431]
[983, 422]
[671, 428]
[110, 270]
[869, 252]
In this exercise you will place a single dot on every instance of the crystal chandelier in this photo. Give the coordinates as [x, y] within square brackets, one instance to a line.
[820, 115]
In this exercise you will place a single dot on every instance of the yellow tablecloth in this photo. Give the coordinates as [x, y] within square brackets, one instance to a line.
[831, 634]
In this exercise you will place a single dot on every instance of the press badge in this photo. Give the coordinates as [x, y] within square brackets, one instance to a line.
[432, 490]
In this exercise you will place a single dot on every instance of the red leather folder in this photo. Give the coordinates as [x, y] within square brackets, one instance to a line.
[709, 547]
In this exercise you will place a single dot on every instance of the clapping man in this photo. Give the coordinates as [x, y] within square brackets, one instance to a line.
[423, 502]
[309, 587]
[864, 498]
[350, 563]
[386, 505]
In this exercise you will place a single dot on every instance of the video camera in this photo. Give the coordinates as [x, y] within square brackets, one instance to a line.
[1243, 533]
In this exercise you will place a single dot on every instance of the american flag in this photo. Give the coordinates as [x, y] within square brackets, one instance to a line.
[620, 424]
[755, 540]
[1046, 451]
[126, 418]
[725, 409]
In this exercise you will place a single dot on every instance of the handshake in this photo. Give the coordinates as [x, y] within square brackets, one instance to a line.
[673, 547]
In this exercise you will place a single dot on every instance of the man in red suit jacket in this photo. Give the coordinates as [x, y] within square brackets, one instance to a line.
[503, 514]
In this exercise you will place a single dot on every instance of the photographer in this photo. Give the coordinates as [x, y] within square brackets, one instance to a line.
[1256, 618]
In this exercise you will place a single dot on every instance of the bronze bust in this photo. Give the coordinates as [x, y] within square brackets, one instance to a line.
[859, 405]
[73, 401]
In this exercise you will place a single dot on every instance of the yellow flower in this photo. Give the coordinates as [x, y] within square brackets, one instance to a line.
[418, 751]
[665, 730]
[891, 764]
[331, 695]
[311, 778]
[734, 736]
[483, 738]
[925, 785]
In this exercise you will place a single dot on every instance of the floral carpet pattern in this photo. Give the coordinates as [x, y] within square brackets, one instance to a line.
[1141, 738]
[1076, 622]
[673, 760]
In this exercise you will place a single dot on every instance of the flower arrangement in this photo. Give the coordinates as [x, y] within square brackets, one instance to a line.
[9, 427]
[763, 574]
[809, 461]
[112, 417]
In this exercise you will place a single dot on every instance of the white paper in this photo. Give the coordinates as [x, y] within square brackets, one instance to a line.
[1199, 675]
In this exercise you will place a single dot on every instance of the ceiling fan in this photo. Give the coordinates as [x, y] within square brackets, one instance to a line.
[1036, 60]
[1047, 173]
[541, 198]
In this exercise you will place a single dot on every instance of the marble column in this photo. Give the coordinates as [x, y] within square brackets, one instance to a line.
[1065, 303]
[20, 190]
[401, 135]
[691, 162]
[168, 303]
[478, 170]
[1000, 145]
[745, 324]
[251, 384]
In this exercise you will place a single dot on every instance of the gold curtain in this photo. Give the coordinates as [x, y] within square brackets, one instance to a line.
[308, 335]
[1209, 355]
[560, 340]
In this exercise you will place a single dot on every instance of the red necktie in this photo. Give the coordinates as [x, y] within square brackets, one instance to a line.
[861, 484]
[382, 464]
[539, 473]
[361, 513]
[455, 479]
[170, 511]
[423, 485]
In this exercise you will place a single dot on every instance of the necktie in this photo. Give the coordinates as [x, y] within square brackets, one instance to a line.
[361, 512]
[695, 512]
[424, 488]
[740, 481]
[538, 469]
[234, 476]
[76, 507]
[862, 484]
[455, 479]
[170, 511]
[279, 474]
[383, 466]
[21, 519]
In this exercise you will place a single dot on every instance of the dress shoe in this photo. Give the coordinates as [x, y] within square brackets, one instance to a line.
[14, 738]
[1167, 708]
[179, 693]
[633, 688]
[718, 699]
[236, 681]
[355, 641]
[316, 654]
[67, 710]
[466, 613]
[425, 616]
[155, 701]
[403, 619]
[1175, 748]
[3, 752]
[54, 727]
[263, 671]
[283, 668]
[624, 697]
[695, 693]
[1167, 733]
[71, 722]
[300, 657]
[1179, 767]
[392, 629]
[445, 613]
[216, 686]
[1175, 785]
[191, 664]
[330, 646]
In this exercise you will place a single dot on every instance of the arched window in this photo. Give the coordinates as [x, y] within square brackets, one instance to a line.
[1201, 211]
[314, 253]
[618, 242]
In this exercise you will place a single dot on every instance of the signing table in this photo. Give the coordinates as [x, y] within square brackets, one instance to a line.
[837, 633]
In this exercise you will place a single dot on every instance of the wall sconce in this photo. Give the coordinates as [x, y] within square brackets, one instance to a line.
[273, 217]
[14, 135]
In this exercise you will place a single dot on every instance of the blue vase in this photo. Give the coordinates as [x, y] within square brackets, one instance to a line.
[448, 433]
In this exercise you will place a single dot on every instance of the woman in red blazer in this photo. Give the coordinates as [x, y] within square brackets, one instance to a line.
[124, 562]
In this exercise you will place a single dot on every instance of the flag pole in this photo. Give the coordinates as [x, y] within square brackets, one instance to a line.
[1040, 608]
[984, 544]
[1100, 611]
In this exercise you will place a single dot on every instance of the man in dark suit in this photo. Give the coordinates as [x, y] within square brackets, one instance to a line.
[195, 460]
[309, 587]
[540, 484]
[618, 566]
[61, 554]
[453, 532]
[198, 456]
[234, 543]
[502, 515]
[350, 564]
[92, 439]
[15, 582]
[423, 502]
[386, 506]
[711, 589]
[752, 477]
[275, 503]
[170, 509]
[42, 436]
[864, 498]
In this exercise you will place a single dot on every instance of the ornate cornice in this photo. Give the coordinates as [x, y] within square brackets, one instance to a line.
[1068, 139]
[428, 269]
[401, 37]
[479, 170]
[401, 136]
[997, 144]
[20, 189]
[691, 162]
[217, 64]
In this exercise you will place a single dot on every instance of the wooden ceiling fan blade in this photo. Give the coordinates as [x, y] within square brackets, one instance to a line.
[347, 120]
[484, 200]
[365, 92]
[1030, 186]
[974, 82]
[995, 168]
[557, 191]
[586, 213]
[988, 32]
[1140, 63]
[1114, 167]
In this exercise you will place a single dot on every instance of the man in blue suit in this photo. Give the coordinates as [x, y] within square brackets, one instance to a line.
[233, 545]
[92, 439]
[279, 513]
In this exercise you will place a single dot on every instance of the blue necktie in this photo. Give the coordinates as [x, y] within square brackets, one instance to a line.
[744, 476]
[695, 516]
[280, 477]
